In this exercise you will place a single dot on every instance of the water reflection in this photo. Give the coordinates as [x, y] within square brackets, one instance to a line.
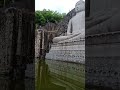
[43, 81]
[50, 76]
[53, 75]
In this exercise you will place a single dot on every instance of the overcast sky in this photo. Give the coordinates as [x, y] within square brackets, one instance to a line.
[62, 6]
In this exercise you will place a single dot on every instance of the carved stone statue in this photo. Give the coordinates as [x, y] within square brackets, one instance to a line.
[76, 26]
[72, 46]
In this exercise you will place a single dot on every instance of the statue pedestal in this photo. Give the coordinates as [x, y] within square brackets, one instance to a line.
[71, 51]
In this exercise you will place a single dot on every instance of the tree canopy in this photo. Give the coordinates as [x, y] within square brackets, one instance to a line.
[45, 16]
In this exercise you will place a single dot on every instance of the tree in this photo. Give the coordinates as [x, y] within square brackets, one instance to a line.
[39, 18]
[45, 16]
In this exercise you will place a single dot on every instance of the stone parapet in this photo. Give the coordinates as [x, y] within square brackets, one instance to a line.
[68, 51]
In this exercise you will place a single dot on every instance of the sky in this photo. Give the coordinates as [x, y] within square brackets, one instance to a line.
[62, 6]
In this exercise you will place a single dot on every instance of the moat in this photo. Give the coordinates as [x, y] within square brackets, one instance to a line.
[57, 75]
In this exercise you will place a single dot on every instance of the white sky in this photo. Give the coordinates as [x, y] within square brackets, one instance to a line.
[62, 6]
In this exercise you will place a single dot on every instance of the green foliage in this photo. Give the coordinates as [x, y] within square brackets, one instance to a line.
[45, 16]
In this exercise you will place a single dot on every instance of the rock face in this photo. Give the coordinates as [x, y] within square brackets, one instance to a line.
[64, 23]
[102, 45]
[17, 40]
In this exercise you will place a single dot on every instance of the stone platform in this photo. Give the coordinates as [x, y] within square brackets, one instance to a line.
[69, 51]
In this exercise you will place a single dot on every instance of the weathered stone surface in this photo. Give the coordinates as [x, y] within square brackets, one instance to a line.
[72, 74]
[64, 23]
[102, 65]
[103, 45]
[17, 40]
[73, 52]
[103, 19]
[8, 84]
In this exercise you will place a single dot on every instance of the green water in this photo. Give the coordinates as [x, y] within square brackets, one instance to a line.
[43, 80]
[47, 79]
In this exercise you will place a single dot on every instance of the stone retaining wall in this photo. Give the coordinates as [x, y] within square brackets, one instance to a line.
[69, 72]
[103, 60]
